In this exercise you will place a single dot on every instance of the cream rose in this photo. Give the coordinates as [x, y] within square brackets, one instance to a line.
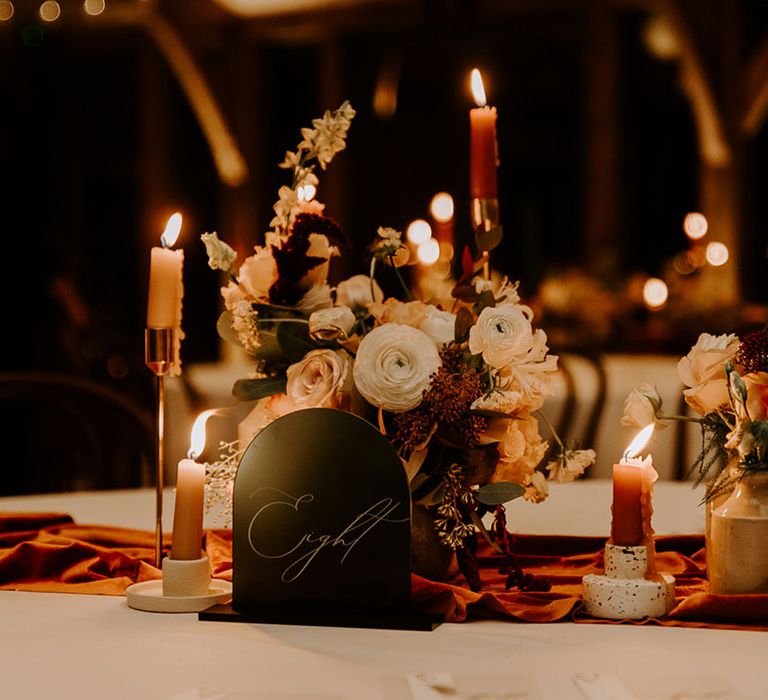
[439, 325]
[520, 448]
[503, 334]
[393, 366]
[640, 407]
[318, 379]
[702, 370]
[356, 292]
[408, 313]
[258, 273]
[329, 324]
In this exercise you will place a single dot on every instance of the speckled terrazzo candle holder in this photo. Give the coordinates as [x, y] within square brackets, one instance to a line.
[624, 592]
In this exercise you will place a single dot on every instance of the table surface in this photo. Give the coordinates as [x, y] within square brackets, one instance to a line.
[79, 646]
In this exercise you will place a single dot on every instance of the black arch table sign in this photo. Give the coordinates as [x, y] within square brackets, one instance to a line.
[321, 528]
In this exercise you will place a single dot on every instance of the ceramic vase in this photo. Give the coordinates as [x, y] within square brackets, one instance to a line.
[737, 561]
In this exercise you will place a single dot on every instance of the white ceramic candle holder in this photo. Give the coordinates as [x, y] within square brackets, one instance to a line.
[186, 587]
[624, 593]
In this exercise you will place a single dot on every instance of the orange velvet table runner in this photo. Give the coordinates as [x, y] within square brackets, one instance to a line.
[49, 552]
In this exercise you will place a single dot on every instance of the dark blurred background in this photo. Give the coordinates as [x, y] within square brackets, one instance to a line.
[616, 118]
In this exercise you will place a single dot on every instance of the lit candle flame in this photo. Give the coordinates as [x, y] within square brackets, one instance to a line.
[478, 91]
[639, 442]
[197, 441]
[172, 230]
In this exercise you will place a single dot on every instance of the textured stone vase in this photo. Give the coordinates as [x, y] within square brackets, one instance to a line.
[738, 558]
[429, 557]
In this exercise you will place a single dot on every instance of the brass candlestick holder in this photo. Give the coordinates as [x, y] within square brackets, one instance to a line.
[485, 220]
[159, 357]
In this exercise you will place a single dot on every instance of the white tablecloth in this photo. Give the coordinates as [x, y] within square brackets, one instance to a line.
[77, 646]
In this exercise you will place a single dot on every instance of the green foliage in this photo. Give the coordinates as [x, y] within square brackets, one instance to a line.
[499, 492]
[253, 389]
[488, 240]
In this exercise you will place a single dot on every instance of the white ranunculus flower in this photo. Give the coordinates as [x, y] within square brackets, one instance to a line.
[317, 380]
[220, 255]
[439, 325]
[258, 273]
[329, 324]
[641, 406]
[393, 366]
[702, 370]
[356, 292]
[315, 298]
[503, 334]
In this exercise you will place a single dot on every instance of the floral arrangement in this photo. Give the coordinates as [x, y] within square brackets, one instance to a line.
[726, 382]
[456, 391]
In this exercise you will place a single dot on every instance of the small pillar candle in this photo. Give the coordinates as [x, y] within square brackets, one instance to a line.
[188, 510]
[632, 488]
[190, 497]
[483, 145]
[165, 280]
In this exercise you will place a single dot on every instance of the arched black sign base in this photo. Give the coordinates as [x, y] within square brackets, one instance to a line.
[321, 527]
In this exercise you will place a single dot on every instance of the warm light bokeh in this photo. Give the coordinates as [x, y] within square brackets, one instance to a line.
[441, 207]
[6, 10]
[418, 232]
[429, 252]
[655, 293]
[695, 225]
[94, 7]
[717, 253]
[50, 11]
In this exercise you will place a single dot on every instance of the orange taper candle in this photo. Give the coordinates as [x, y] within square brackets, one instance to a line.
[483, 148]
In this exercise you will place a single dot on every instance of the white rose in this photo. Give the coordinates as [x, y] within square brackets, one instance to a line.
[703, 371]
[356, 292]
[439, 325]
[258, 273]
[329, 324]
[641, 406]
[318, 379]
[503, 334]
[393, 366]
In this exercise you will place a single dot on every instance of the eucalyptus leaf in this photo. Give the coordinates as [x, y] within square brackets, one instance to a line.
[225, 330]
[252, 389]
[488, 240]
[294, 340]
[500, 492]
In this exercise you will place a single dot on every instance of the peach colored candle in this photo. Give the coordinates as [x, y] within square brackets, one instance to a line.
[483, 148]
[188, 510]
[632, 489]
[190, 495]
[165, 280]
